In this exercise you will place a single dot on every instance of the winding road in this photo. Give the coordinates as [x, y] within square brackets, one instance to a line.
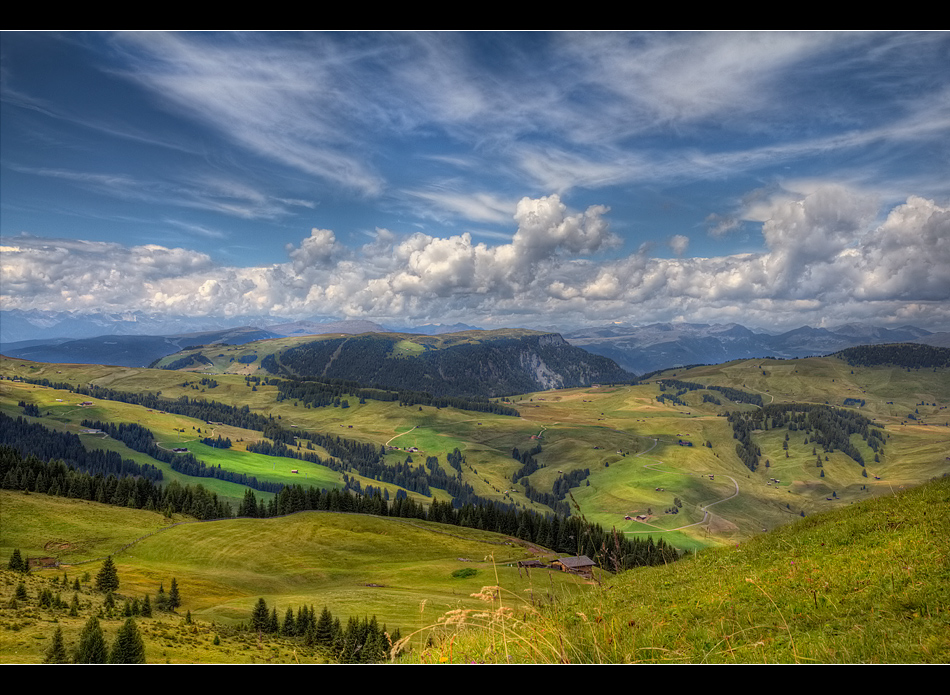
[704, 508]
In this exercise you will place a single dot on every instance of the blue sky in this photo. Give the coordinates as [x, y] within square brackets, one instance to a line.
[498, 179]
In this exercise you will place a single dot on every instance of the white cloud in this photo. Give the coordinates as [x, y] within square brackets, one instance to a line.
[319, 250]
[679, 244]
[824, 259]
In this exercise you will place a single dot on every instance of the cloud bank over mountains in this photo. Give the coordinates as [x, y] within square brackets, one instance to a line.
[830, 256]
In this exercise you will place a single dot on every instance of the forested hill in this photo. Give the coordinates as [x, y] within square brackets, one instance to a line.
[908, 355]
[471, 364]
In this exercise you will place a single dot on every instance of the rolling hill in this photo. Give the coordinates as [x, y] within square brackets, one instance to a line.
[667, 458]
[471, 363]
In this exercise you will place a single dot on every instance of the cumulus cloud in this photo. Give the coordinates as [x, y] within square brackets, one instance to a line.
[679, 244]
[824, 258]
[319, 250]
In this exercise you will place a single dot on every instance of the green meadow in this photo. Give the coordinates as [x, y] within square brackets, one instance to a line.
[401, 571]
[647, 459]
[642, 454]
[864, 584]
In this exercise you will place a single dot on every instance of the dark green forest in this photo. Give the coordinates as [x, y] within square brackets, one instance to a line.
[907, 355]
[489, 369]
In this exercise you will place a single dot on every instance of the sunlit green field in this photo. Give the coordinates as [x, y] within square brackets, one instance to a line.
[357, 565]
[633, 445]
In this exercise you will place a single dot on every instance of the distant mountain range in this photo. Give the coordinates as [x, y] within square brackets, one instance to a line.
[127, 350]
[643, 349]
[17, 326]
[138, 338]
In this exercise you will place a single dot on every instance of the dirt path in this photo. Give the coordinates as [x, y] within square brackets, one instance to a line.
[400, 434]
[704, 508]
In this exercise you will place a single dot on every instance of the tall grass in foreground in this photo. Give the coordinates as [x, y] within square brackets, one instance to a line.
[867, 584]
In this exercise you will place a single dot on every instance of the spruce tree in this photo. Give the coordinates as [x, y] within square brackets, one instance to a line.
[92, 647]
[108, 578]
[260, 617]
[289, 628]
[324, 628]
[128, 648]
[17, 563]
[56, 654]
[174, 598]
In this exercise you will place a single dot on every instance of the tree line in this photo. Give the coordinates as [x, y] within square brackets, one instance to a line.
[360, 642]
[141, 439]
[733, 394]
[56, 478]
[34, 439]
[314, 393]
[906, 355]
[825, 426]
[572, 535]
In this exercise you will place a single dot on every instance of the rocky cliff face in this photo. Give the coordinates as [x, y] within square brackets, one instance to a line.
[535, 367]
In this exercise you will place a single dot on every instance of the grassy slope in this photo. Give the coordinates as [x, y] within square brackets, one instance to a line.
[865, 584]
[357, 565]
[582, 428]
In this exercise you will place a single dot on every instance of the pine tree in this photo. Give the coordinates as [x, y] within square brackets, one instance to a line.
[128, 648]
[108, 578]
[56, 654]
[324, 628]
[17, 563]
[289, 628]
[174, 598]
[92, 644]
[260, 617]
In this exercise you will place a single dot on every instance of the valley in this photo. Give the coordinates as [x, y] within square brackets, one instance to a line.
[650, 460]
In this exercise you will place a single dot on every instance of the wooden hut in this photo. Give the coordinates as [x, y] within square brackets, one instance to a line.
[582, 565]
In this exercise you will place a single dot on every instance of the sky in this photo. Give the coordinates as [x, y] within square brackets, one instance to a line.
[495, 179]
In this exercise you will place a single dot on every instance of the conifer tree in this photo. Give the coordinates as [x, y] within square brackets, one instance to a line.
[324, 628]
[17, 563]
[289, 629]
[260, 617]
[92, 644]
[108, 578]
[56, 654]
[174, 598]
[128, 648]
